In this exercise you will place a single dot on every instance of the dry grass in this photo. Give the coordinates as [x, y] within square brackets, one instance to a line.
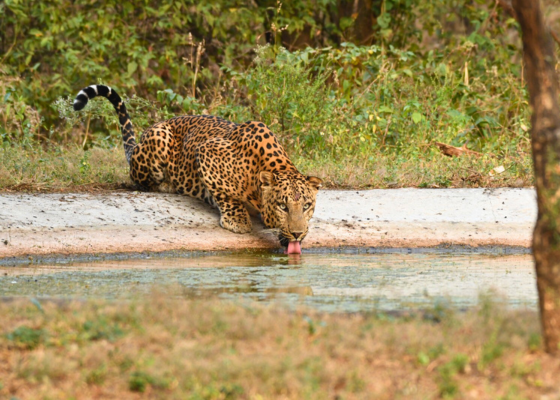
[66, 168]
[69, 168]
[435, 172]
[186, 349]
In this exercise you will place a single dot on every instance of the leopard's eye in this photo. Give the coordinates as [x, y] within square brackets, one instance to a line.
[306, 206]
[283, 206]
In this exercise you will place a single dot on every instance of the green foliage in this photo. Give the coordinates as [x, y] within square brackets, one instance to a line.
[289, 99]
[58, 46]
[102, 329]
[360, 99]
[26, 337]
[100, 121]
[97, 376]
[494, 346]
[535, 342]
[491, 350]
[84, 164]
[446, 71]
[189, 104]
[18, 121]
[448, 386]
[140, 380]
[425, 357]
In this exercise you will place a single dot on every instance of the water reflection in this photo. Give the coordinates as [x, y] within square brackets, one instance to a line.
[329, 282]
[294, 259]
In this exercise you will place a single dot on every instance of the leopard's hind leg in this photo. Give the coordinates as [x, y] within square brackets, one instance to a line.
[150, 159]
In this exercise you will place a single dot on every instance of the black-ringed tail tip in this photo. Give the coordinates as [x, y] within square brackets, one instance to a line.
[124, 119]
[89, 93]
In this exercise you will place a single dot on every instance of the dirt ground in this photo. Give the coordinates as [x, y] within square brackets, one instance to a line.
[41, 224]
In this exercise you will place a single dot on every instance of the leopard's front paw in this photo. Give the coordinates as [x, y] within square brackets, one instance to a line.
[236, 224]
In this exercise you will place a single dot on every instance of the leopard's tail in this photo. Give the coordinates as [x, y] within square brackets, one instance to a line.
[127, 130]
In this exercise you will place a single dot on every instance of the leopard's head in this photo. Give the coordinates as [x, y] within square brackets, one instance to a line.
[288, 203]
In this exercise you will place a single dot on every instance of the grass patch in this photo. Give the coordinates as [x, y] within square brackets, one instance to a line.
[26, 338]
[70, 168]
[209, 349]
[61, 168]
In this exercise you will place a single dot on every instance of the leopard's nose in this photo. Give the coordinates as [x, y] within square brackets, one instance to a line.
[296, 234]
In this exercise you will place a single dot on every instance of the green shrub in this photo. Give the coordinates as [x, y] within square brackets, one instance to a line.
[294, 103]
[362, 100]
[26, 337]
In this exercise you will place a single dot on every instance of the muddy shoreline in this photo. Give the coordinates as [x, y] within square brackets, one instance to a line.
[39, 225]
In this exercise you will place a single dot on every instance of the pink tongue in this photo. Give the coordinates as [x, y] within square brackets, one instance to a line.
[294, 248]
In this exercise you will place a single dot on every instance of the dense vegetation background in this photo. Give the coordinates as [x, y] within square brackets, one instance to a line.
[358, 91]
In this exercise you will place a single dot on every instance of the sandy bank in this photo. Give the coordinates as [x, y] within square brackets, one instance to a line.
[38, 224]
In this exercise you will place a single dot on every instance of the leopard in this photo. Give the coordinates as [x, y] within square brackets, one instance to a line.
[236, 167]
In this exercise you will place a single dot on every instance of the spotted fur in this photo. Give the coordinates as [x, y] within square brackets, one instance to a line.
[230, 166]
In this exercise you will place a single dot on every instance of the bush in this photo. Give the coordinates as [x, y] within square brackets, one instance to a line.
[443, 71]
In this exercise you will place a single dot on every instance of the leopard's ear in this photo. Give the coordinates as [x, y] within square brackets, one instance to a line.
[267, 178]
[315, 182]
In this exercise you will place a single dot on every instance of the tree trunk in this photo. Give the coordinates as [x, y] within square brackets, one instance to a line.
[363, 13]
[363, 25]
[538, 57]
